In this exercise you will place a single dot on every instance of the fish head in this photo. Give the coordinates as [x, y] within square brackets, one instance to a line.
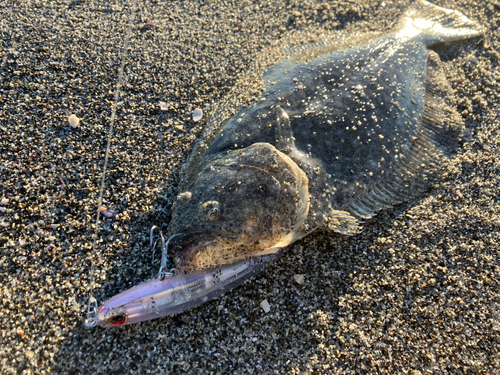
[250, 202]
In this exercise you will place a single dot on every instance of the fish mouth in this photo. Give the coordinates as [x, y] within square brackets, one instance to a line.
[200, 249]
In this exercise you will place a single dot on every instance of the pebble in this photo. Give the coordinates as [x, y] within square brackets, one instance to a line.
[163, 106]
[299, 279]
[265, 306]
[107, 212]
[197, 115]
[73, 121]
[149, 26]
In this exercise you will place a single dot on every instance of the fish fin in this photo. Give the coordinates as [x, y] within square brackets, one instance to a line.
[440, 115]
[305, 48]
[437, 24]
[341, 222]
[284, 135]
[328, 42]
[436, 137]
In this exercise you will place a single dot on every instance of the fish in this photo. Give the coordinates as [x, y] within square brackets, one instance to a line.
[344, 128]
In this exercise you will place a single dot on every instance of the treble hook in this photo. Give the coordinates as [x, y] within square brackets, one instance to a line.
[154, 246]
[163, 264]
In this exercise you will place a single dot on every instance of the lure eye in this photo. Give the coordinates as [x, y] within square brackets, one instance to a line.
[118, 320]
[214, 214]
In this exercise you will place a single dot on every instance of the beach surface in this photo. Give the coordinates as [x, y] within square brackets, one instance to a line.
[417, 291]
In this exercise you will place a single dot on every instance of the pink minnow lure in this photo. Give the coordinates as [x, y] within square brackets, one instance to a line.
[174, 294]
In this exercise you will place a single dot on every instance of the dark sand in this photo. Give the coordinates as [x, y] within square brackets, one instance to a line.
[417, 291]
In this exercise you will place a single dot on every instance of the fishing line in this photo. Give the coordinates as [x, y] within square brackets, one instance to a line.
[91, 320]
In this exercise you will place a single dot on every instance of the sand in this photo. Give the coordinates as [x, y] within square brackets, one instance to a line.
[417, 291]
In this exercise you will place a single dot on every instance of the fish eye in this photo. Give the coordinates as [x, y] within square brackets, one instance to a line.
[118, 320]
[210, 210]
[214, 213]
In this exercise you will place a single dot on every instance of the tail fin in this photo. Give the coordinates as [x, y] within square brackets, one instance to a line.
[437, 24]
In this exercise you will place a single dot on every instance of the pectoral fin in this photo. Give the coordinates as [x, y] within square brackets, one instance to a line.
[341, 222]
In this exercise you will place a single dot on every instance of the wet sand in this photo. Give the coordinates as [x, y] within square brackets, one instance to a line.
[417, 291]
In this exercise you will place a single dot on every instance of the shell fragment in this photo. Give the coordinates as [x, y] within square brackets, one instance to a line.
[197, 115]
[265, 306]
[73, 121]
[299, 279]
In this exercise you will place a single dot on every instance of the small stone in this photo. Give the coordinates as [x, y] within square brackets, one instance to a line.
[467, 133]
[163, 106]
[4, 202]
[73, 121]
[299, 279]
[265, 306]
[197, 115]
[106, 212]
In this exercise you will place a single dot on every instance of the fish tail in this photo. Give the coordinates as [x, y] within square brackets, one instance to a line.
[437, 25]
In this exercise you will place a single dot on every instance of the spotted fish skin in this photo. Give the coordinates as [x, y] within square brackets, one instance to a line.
[353, 129]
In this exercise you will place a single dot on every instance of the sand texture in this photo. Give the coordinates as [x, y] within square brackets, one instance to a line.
[416, 292]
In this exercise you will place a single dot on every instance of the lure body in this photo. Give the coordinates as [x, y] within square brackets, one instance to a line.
[173, 294]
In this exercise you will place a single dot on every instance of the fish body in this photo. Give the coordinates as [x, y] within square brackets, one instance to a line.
[344, 129]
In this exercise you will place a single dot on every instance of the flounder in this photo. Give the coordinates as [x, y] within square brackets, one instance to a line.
[345, 129]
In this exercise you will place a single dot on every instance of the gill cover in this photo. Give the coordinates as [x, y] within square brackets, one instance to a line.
[249, 202]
